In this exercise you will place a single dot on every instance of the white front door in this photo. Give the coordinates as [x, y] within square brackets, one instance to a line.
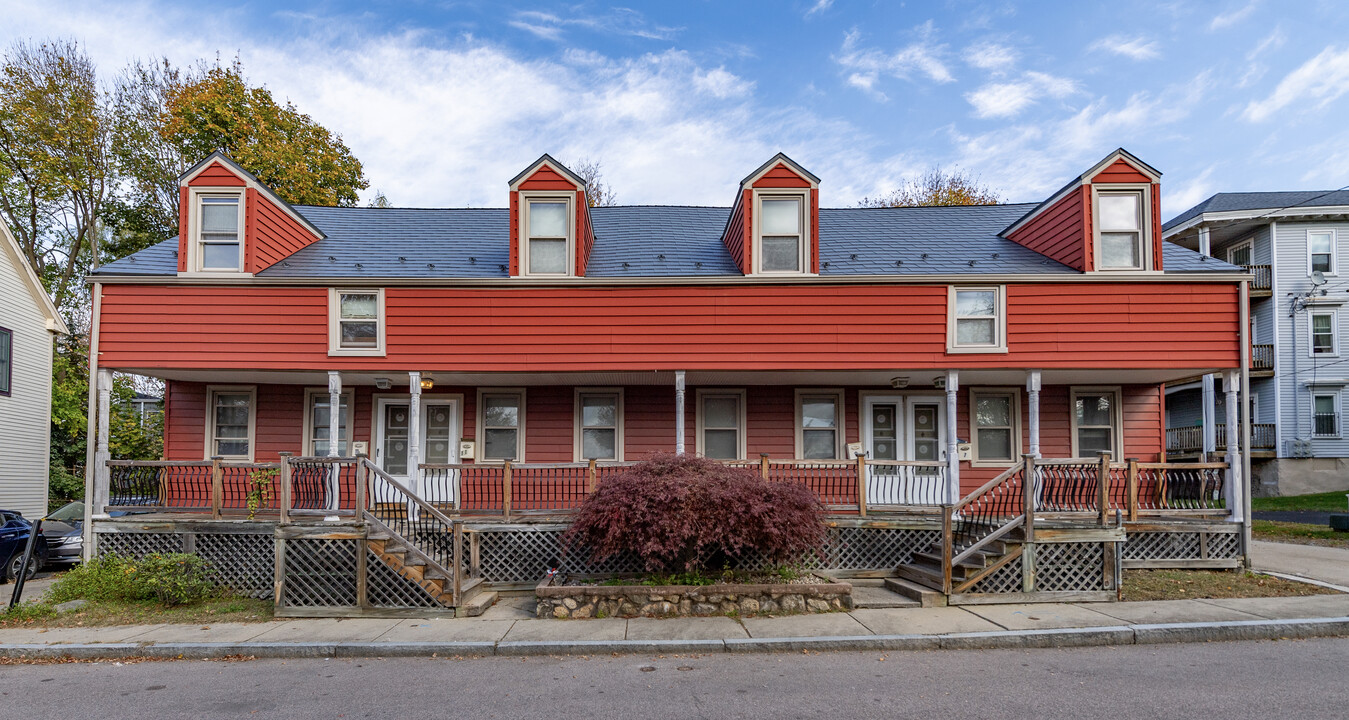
[903, 428]
[439, 433]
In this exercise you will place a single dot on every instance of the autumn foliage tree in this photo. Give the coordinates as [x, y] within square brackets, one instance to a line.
[937, 188]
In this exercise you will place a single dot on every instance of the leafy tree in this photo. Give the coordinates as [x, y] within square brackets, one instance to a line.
[598, 192]
[938, 187]
[379, 200]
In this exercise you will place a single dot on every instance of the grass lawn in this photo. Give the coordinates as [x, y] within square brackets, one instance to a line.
[206, 612]
[1190, 584]
[1299, 533]
[1323, 502]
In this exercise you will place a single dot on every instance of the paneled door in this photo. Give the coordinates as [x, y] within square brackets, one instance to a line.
[439, 426]
[903, 428]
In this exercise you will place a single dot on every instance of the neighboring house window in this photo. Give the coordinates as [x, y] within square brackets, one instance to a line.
[1240, 254]
[599, 425]
[1326, 414]
[1120, 230]
[996, 418]
[1096, 421]
[503, 425]
[231, 416]
[218, 233]
[356, 322]
[819, 424]
[721, 424]
[977, 320]
[1325, 333]
[547, 246]
[6, 361]
[1321, 251]
[318, 412]
[782, 238]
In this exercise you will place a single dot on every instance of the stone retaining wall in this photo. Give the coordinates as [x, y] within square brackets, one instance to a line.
[587, 601]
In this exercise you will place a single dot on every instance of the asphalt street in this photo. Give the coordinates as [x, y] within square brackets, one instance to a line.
[1303, 679]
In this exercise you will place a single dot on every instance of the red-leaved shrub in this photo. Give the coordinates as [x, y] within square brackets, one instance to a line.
[680, 513]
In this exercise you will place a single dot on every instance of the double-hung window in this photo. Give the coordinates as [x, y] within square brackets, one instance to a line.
[230, 422]
[1321, 252]
[356, 321]
[978, 320]
[782, 233]
[503, 424]
[819, 423]
[1325, 333]
[1120, 230]
[6, 361]
[996, 418]
[599, 425]
[1326, 414]
[318, 411]
[721, 424]
[1096, 422]
[218, 233]
[547, 249]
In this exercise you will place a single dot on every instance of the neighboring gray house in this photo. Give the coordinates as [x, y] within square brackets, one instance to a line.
[1296, 245]
[27, 322]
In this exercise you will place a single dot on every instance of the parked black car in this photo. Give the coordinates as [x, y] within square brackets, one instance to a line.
[64, 532]
[14, 532]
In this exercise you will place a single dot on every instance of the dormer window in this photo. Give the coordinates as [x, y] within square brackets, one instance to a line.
[549, 235]
[219, 240]
[1121, 237]
[781, 237]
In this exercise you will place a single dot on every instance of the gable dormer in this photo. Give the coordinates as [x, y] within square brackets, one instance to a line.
[775, 224]
[1108, 219]
[551, 234]
[229, 223]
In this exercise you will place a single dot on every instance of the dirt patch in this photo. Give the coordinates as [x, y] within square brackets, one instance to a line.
[1192, 584]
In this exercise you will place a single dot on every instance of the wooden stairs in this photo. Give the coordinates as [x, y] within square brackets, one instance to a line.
[393, 552]
[923, 573]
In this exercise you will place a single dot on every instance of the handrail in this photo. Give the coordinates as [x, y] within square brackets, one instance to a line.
[1016, 522]
[983, 489]
[412, 520]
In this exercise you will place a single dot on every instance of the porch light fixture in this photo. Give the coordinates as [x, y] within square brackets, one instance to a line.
[383, 383]
[939, 382]
[428, 382]
[899, 383]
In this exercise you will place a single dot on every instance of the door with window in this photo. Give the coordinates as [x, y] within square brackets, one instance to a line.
[899, 428]
[439, 434]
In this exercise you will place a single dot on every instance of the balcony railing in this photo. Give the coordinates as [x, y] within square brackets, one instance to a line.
[1262, 357]
[1191, 439]
[1264, 276]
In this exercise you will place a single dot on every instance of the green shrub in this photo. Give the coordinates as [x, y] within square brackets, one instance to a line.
[172, 579]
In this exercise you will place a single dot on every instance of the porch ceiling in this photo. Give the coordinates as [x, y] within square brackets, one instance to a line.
[800, 378]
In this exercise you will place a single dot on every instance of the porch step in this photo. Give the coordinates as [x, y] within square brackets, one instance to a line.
[880, 597]
[921, 575]
[477, 604]
[921, 594]
[977, 561]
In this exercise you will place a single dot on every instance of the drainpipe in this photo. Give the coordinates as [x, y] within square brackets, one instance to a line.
[952, 439]
[1033, 400]
[679, 412]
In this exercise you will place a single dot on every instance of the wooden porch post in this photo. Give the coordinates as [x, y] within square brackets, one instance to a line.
[1033, 403]
[284, 510]
[952, 438]
[1133, 489]
[506, 489]
[1103, 488]
[679, 412]
[217, 487]
[102, 492]
[414, 441]
[334, 436]
[862, 485]
[1233, 495]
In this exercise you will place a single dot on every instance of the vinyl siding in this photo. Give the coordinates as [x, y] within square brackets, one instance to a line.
[25, 414]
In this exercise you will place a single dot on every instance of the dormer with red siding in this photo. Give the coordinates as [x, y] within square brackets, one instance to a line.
[1108, 219]
[551, 234]
[230, 224]
[774, 227]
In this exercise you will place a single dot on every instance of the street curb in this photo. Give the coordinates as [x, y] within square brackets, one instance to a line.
[1143, 634]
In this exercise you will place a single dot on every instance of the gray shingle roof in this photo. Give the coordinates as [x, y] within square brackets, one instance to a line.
[1229, 202]
[1177, 259]
[652, 241]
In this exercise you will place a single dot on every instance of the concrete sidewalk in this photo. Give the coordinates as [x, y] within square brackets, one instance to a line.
[510, 628]
[1327, 564]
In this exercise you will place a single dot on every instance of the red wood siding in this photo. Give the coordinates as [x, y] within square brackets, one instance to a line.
[216, 175]
[585, 234]
[780, 176]
[762, 327]
[182, 229]
[1156, 226]
[1121, 171]
[735, 235]
[547, 179]
[273, 234]
[815, 231]
[1061, 231]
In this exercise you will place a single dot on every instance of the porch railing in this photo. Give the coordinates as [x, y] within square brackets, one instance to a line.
[1262, 357]
[1264, 276]
[1191, 439]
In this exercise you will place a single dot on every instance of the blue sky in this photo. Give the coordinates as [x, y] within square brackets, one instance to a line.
[445, 101]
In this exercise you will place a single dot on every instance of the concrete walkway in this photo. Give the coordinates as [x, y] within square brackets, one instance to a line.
[510, 628]
[1329, 565]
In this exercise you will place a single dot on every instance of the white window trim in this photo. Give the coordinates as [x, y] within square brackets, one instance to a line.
[803, 194]
[1334, 333]
[1145, 229]
[1244, 244]
[335, 348]
[840, 421]
[209, 444]
[1117, 452]
[480, 432]
[1334, 250]
[309, 394]
[578, 425]
[1015, 394]
[999, 325]
[1339, 413]
[552, 196]
[698, 415]
[193, 262]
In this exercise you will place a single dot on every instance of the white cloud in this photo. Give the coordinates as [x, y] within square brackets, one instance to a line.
[721, 84]
[819, 7]
[991, 56]
[618, 21]
[1232, 17]
[1315, 84]
[1134, 48]
[865, 66]
[1003, 100]
[1177, 199]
